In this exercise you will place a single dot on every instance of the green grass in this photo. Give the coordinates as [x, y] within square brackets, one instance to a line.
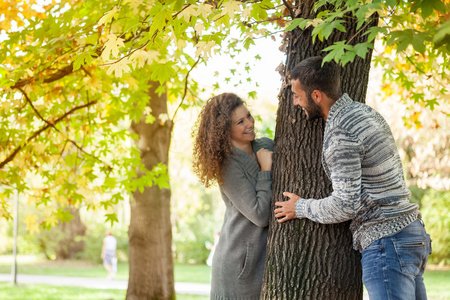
[26, 265]
[436, 280]
[437, 283]
[49, 292]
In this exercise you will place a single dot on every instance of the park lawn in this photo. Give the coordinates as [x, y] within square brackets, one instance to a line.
[30, 266]
[437, 283]
[49, 292]
[436, 279]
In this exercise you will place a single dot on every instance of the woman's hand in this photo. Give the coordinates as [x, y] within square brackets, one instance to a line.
[264, 157]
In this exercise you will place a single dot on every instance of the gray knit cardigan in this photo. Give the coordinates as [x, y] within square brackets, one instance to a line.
[238, 262]
[361, 159]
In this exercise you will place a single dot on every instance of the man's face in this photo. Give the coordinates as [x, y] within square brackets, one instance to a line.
[305, 101]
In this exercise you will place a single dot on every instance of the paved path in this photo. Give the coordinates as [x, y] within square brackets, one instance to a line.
[99, 283]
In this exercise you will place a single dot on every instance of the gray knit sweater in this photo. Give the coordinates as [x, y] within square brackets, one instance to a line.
[239, 257]
[362, 161]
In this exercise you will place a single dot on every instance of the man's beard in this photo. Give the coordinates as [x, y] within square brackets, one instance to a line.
[313, 109]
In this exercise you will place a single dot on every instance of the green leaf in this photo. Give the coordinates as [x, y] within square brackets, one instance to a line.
[362, 49]
[337, 51]
[300, 22]
[178, 5]
[111, 218]
[431, 103]
[85, 58]
[163, 72]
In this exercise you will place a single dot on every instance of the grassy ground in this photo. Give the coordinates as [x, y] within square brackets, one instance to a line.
[48, 292]
[436, 279]
[30, 265]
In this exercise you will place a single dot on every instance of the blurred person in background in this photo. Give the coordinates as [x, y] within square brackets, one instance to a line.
[109, 254]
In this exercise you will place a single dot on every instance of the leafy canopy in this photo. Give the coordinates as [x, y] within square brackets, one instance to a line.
[75, 74]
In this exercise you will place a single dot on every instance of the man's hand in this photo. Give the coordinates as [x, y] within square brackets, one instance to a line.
[286, 209]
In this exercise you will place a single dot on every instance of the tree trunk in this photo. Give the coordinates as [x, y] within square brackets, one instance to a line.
[150, 236]
[307, 260]
[68, 234]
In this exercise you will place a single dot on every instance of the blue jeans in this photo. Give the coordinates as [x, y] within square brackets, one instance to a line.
[393, 266]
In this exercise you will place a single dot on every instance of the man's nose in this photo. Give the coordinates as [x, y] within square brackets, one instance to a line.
[296, 102]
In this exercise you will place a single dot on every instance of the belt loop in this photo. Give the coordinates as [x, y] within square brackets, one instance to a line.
[419, 218]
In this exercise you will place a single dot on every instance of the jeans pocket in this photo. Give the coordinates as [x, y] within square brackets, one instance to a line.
[412, 254]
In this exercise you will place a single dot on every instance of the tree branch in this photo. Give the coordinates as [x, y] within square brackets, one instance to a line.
[185, 88]
[289, 7]
[57, 75]
[37, 133]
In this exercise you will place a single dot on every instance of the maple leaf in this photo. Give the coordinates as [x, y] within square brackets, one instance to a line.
[247, 12]
[140, 57]
[112, 46]
[205, 10]
[32, 224]
[108, 16]
[119, 68]
[199, 28]
[314, 22]
[188, 12]
[230, 8]
[204, 47]
[134, 4]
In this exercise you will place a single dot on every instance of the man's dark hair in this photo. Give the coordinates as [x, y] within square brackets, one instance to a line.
[313, 76]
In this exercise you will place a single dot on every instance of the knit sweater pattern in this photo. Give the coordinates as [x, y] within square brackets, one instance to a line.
[361, 159]
[239, 257]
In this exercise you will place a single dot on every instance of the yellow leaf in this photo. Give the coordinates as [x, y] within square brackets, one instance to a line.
[199, 28]
[188, 12]
[229, 8]
[140, 57]
[132, 83]
[134, 4]
[108, 16]
[181, 44]
[112, 46]
[205, 10]
[314, 22]
[119, 68]
[52, 220]
[39, 148]
[247, 12]
[32, 223]
[204, 47]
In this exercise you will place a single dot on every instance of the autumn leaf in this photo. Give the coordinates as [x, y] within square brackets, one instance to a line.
[108, 16]
[204, 48]
[204, 10]
[229, 8]
[119, 68]
[112, 46]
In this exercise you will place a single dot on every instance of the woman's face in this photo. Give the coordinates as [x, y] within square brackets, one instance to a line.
[242, 123]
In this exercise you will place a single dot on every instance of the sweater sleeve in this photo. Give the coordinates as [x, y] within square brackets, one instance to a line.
[252, 201]
[342, 155]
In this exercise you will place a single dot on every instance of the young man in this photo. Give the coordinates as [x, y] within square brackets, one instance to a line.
[362, 161]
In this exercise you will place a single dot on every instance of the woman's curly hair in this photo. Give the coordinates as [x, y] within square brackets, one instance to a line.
[212, 145]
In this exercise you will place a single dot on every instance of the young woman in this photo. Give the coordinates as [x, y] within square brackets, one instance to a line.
[226, 152]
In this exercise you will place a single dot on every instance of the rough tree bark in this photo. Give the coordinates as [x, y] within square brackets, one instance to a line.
[307, 260]
[150, 236]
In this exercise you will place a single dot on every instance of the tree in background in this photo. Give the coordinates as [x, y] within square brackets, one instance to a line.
[65, 136]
